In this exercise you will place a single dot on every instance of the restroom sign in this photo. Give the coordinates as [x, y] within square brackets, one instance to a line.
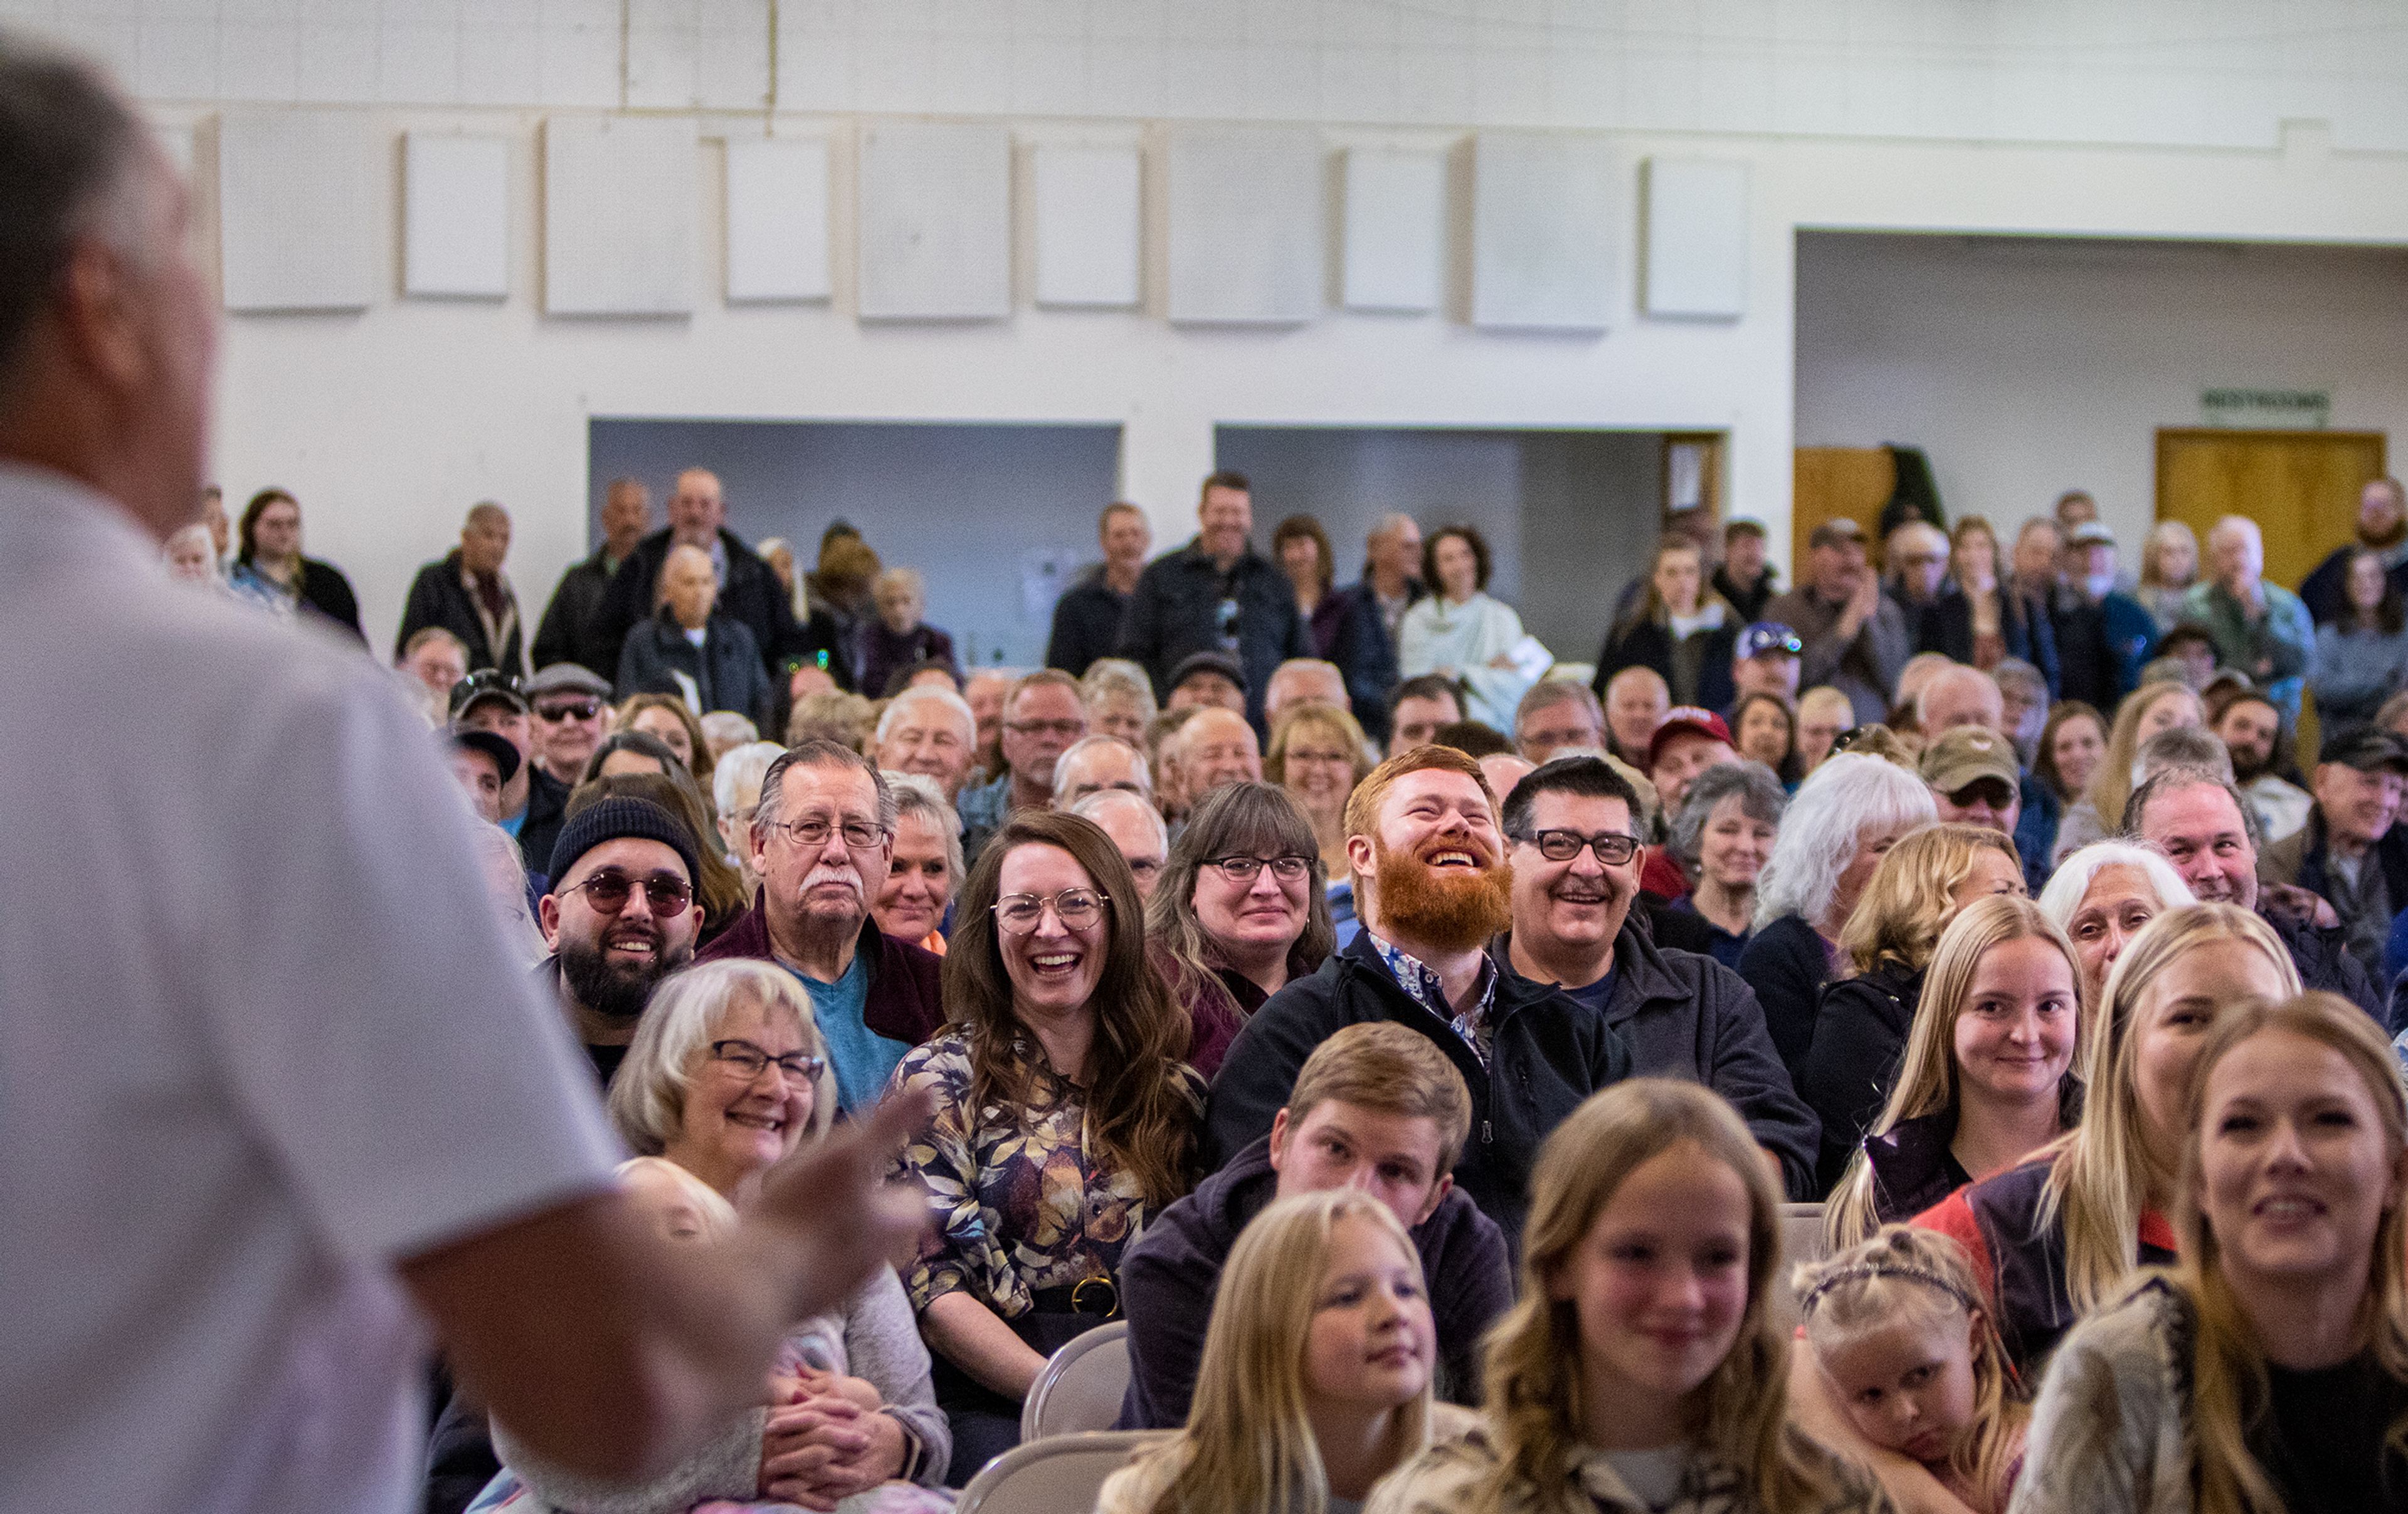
[2266, 410]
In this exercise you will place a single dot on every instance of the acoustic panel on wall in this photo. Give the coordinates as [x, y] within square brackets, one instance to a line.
[1087, 226]
[456, 211]
[622, 213]
[1543, 232]
[1695, 240]
[297, 214]
[1395, 228]
[1247, 208]
[777, 219]
[936, 222]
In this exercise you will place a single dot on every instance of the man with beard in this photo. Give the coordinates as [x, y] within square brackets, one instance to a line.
[2251, 728]
[2382, 529]
[822, 840]
[1572, 831]
[1432, 890]
[622, 916]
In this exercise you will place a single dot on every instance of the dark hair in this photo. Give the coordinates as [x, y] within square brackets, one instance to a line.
[1140, 1110]
[1787, 771]
[2044, 760]
[247, 548]
[901, 678]
[1118, 506]
[2388, 612]
[642, 743]
[1305, 528]
[1585, 777]
[1473, 738]
[67, 142]
[1470, 536]
[1742, 527]
[2184, 631]
[1252, 819]
[1428, 685]
[1225, 478]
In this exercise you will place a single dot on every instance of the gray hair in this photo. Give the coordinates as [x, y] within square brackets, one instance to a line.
[1069, 753]
[728, 726]
[1089, 807]
[916, 795]
[741, 768]
[2185, 746]
[2066, 887]
[820, 752]
[70, 149]
[1849, 794]
[2164, 781]
[647, 1098]
[518, 926]
[1759, 792]
[924, 694]
[902, 578]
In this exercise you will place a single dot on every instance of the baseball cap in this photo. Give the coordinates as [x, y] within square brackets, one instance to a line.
[492, 744]
[568, 677]
[2090, 533]
[486, 683]
[1966, 754]
[2368, 750]
[1208, 662]
[1687, 719]
[1837, 532]
[618, 816]
[1769, 639]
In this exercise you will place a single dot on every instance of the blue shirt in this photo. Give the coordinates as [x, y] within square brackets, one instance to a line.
[862, 1059]
[1415, 976]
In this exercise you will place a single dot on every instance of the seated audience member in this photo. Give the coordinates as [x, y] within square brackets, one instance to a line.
[1475, 739]
[735, 793]
[1822, 714]
[1426, 823]
[1118, 699]
[1042, 718]
[1572, 835]
[1764, 661]
[1905, 715]
[896, 637]
[531, 799]
[435, 660]
[1856, 639]
[1208, 681]
[1637, 699]
[1421, 705]
[1744, 577]
[1764, 730]
[1377, 1109]
[1087, 617]
[724, 730]
[2151, 709]
[630, 751]
[1239, 913]
[2350, 852]
[621, 916]
[1315, 1378]
[930, 732]
[1679, 627]
[717, 885]
[2260, 628]
[468, 595]
[1214, 749]
[189, 556]
[505, 877]
[822, 843]
[2393, 715]
[1094, 763]
[1986, 1076]
[483, 763]
[2380, 529]
[927, 865]
[1461, 630]
[1845, 817]
[1060, 1089]
[2103, 895]
[1954, 695]
[1504, 769]
[1356, 627]
[2063, 760]
[1688, 741]
[1133, 826]
[1318, 755]
[2251, 728]
[2005, 623]
[688, 648]
[1162, 757]
[1647, 1182]
[2270, 1370]
[1301, 680]
[2103, 635]
[927, 675]
[1721, 836]
[2189, 648]
[2024, 701]
[1555, 717]
[2205, 828]
[1975, 781]
[1902, 1369]
[983, 691]
[1861, 1022]
[2361, 657]
[2056, 1237]
[839, 716]
[668, 720]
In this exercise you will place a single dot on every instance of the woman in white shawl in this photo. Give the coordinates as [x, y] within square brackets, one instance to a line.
[1459, 630]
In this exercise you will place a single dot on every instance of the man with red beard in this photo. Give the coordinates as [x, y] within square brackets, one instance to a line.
[1433, 890]
[621, 917]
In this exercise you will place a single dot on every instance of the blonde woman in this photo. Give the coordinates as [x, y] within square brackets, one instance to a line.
[2146, 710]
[1318, 755]
[1650, 1202]
[2168, 567]
[1315, 1381]
[2270, 1371]
[2054, 1238]
[1990, 1073]
[1860, 1022]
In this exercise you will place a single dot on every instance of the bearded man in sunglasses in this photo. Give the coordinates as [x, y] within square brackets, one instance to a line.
[1571, 836]
[621, 917]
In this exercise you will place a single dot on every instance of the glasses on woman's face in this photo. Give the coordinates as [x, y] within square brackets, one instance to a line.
[750, 1062]
[1245, 870]
[609, 889]
[1076, 908]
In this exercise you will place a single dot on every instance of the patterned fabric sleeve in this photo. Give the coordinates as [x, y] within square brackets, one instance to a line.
[941, 1157]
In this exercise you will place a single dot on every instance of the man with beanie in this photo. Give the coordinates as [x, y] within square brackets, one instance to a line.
[621, 916]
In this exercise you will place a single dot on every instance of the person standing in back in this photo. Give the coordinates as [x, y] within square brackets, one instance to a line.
[1087, 617]
[468, 595]
[1216, 594]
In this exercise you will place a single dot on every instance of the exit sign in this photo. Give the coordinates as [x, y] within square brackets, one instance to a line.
[2266, 410]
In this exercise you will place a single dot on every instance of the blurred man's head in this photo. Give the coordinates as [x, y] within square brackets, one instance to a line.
[1422, 705]
[1554, 715]
[1635, 701]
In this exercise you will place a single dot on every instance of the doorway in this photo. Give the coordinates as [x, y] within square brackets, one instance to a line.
[2300, 486]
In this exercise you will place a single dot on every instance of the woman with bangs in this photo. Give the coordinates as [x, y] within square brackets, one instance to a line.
[2056, 1238]
[2269, 1370]
[2145, 711]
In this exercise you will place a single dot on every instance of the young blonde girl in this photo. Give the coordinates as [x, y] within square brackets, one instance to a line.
[1317, 1375]
[1902, 1348]
[1643, 1368]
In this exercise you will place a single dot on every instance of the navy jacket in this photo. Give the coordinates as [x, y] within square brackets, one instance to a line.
[1170, 1274]
[749, 592]
[1086, 624]
[2102, 647]
[1650, 645]
[1549, 1054]
[726, 668]
[1945, 627]
[1176, 612]
[561, 636]
[2321, 589]
[1357, 641]
[1787, 965]
[1913, 1169]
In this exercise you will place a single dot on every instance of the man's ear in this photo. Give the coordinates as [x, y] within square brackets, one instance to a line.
[547, 918]
[1278, 1138]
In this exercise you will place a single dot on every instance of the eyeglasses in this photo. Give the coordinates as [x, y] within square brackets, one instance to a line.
[752, 1062]
[1070, 730]
[1613, 848]
[859, 835]
[583, 709]
[1076, 908]
[1246, 869]
[608, 891]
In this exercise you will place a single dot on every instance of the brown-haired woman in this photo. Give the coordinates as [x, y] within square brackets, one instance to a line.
[1065, 1118]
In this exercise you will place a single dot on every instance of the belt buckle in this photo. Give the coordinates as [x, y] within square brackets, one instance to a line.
[1096, 1290]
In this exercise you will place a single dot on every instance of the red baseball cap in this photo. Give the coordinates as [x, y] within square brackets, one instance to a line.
[1686, 719]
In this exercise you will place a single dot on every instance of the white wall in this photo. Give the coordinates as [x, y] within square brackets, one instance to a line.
[2026, 368]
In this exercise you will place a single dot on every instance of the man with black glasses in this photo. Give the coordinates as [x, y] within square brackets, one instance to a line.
[1570, 833]
[572, 714]
[822, 841]
[621, 917]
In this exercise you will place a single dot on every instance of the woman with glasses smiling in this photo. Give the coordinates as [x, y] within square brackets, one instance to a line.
[1065, 1118]
[1242, 910]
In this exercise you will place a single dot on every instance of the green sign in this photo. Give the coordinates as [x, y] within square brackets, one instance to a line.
[2266, 410]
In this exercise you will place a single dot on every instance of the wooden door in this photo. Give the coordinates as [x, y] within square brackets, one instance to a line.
[1828, 483]
[2300, 486]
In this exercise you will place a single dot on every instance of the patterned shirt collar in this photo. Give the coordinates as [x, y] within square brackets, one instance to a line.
[1472, 1022]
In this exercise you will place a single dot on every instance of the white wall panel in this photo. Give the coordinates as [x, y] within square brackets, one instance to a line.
[298, 201]
[1395, 229]
[1086, 208]
[456, 216]
[1544, 232]
[1247, 208]
[1696, 249]
[777, 219]
[622, 211]
[936, 222]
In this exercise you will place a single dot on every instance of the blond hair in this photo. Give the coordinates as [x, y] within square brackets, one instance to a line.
[1926, 1071]
[2111, 781]
[647, 1098]
[1391, 1069]
[1740, 1413]
[1910, 896]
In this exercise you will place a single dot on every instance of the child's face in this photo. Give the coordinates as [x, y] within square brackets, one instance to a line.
[1370, 1344]
[1907, 1386]
[666, 1203]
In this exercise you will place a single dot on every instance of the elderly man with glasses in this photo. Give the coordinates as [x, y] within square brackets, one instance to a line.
[823, 838]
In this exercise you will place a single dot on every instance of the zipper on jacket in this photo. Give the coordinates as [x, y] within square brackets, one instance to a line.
[1485, 1138]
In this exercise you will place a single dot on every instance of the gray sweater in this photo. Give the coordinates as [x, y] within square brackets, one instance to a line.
[2355, 672]
[874, 1337]
[2111, 1431]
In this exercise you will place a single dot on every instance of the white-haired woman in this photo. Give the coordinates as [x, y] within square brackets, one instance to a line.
[1844, 821]
[2102, 894]
[726, 1076]
[897, 640]
[927, 869]
[735, 794]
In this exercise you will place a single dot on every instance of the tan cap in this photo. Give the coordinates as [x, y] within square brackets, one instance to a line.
[1966, 753]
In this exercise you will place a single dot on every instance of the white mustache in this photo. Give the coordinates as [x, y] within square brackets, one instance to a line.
[831, 875]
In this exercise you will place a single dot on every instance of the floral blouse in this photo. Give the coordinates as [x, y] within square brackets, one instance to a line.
[1020, 1203]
